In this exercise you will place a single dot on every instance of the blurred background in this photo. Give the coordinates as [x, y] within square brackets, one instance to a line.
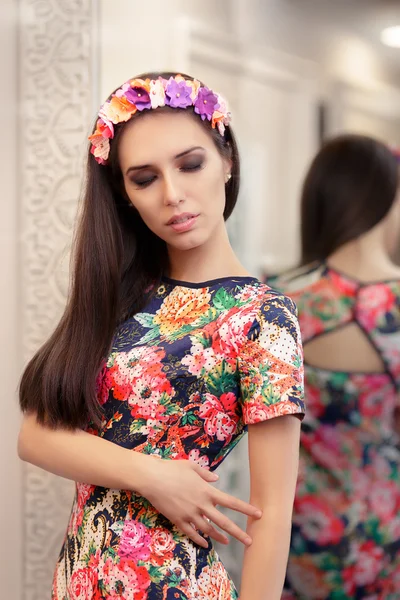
[293, 71]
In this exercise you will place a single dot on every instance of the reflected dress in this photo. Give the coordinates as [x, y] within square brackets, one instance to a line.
[184, 378]
[346, 525]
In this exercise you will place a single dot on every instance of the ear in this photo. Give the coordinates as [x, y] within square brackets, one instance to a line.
[227, 168]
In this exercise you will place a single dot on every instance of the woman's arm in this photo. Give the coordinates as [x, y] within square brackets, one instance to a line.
[179, 489]
[80, 456]
[274, 457]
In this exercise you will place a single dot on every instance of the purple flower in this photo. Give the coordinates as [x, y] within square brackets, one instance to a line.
[206, 103]
[139, 97]
[178, 94]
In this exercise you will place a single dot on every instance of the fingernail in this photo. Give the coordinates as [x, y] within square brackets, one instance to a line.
[215, 476]
[258, 514]
[248, 541]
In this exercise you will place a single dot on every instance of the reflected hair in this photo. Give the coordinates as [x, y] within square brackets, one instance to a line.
[350, 187]
[116, 260]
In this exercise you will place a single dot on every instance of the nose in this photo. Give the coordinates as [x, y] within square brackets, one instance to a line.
[171, 190]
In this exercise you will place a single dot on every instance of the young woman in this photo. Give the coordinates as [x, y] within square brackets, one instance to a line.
[167, 350]
[346, 525]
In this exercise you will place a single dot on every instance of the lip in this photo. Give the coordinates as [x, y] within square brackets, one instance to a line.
[182, 222]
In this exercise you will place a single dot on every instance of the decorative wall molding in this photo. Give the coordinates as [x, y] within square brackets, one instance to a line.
[56, 89]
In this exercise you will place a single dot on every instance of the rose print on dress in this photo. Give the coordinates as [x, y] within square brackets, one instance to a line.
[182, 380]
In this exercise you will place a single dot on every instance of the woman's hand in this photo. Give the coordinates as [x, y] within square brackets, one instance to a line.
[181, 491]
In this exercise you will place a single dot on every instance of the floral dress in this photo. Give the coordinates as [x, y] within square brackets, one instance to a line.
[346, 525]
[183, 379]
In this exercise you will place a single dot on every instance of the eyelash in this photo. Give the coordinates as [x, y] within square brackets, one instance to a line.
[187, 169]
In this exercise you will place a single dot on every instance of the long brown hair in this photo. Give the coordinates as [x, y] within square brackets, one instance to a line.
[350, 187]
[116, 258]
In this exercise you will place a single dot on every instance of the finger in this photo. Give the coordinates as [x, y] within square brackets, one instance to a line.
[224, 523]
[191, 533]
[205, 473]
[229, 501]
[204, 525]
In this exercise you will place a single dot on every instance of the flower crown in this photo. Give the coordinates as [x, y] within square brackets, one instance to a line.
[140, 94]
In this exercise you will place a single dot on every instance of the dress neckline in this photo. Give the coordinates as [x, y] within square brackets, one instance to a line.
[210, 282]
[330, 269]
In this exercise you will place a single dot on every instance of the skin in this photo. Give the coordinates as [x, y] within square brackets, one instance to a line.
[183, 172]
[194, 183]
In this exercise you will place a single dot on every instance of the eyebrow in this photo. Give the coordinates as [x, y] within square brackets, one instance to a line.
[180, 155]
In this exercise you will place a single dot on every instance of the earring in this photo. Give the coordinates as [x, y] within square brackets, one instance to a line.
[228, 177]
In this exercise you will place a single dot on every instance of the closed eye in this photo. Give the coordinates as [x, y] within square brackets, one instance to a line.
[189, 167]
[144, 182]
[192, 167]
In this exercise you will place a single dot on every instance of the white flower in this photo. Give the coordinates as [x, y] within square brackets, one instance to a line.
[157, 94]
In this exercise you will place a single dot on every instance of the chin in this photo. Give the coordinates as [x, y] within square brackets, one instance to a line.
[188, 241]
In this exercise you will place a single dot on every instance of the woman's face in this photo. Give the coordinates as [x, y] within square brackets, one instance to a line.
[174, 176]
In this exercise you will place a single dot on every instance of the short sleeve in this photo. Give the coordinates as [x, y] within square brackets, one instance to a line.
[270, 364]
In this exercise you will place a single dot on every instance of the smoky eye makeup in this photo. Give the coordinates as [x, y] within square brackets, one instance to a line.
[188, 163]
[142, 179]
[192, 163]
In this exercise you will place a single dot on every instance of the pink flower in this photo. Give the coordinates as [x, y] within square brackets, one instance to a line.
[360, 483]
[325, 446]
[100, 148]
[384, 498]
[232, 329]
[394, 531]
[202, 460]
[125, 580]
[371, 402]
[144, 400]
[83, 493]
[348, 580]
[318, 521]
[137, 375]
[256, 412]
[135, 541]
[220, 417]
[392, 583]
[368, 563]
[309, 325]
[379, 300]
[315, 406]
[199, 358]
[82, 585]
[162, 545]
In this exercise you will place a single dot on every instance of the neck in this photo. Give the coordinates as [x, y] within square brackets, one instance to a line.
[365, 259]
[211, 260]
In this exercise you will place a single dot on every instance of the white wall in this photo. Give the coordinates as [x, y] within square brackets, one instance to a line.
[10, 468]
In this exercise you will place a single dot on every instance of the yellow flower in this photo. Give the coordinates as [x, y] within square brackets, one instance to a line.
[183, 306]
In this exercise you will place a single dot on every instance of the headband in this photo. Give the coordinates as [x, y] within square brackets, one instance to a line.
[139, 94]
